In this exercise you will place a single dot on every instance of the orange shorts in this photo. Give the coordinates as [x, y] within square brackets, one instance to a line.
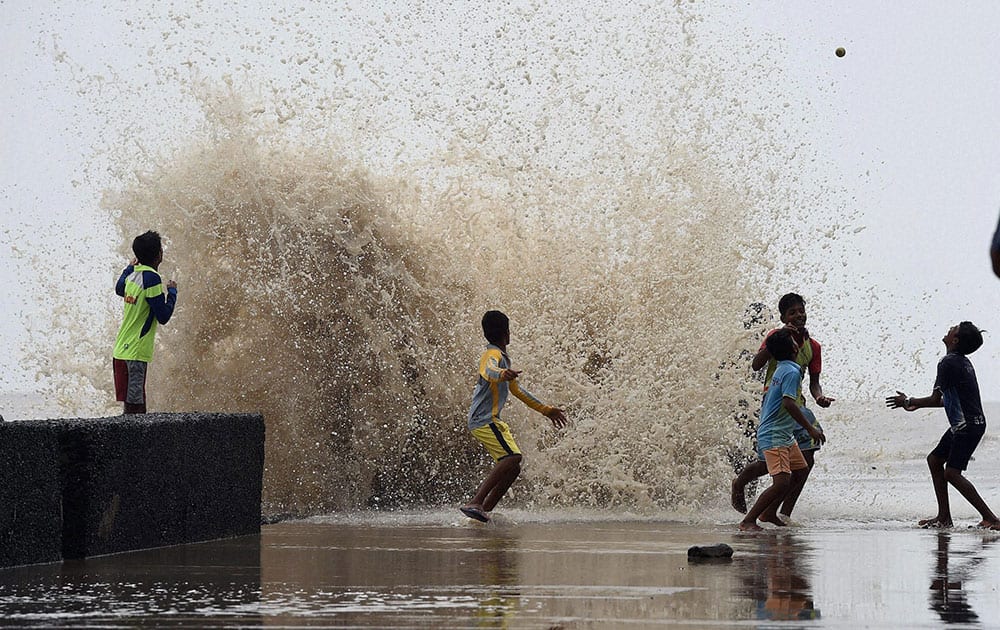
[784, 459]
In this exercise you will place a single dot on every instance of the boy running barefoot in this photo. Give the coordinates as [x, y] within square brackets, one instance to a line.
[496, 380]
[792, 309]
[957, 390]
[779, 415]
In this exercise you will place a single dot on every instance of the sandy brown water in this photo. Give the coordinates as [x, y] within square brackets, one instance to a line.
[434, 570]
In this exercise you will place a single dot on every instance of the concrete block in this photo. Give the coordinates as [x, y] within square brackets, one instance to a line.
[134, 482]
[30, 494]
[85, 487]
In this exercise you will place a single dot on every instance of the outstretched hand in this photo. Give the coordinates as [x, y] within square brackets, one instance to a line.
[898, 401]
[508, 374]
[824, 401]
[557, 417]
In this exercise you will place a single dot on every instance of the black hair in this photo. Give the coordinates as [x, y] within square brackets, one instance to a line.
[147, 248]
[496, 326]
[781, 345]
[970, 338]
[789, 300]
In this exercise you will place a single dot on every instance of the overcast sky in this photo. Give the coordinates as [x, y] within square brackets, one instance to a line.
[906, 127]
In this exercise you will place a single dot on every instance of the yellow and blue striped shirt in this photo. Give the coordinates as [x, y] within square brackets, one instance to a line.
[490, 393]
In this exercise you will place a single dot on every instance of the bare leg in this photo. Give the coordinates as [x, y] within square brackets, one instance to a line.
[751, 471]
[504, 483]
[773, 495]
[965, 487]
[943, 518]
[770, 513]
[497, 483]
[798, 482]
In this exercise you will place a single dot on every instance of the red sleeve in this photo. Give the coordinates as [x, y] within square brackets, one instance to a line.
[816, 365]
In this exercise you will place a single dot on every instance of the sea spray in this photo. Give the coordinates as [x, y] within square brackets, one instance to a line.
[338, 227]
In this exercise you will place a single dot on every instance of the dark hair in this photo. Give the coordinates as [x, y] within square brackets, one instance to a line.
[970, 338]
[789, 300]
[781, 345]
[496, 325]
[147, 247]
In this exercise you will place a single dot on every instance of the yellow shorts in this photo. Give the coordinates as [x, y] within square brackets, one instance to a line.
[497, 439]
[784, 459]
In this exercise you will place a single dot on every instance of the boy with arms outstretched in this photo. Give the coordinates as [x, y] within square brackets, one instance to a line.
[779, 415]
[496, 380]
[146, 304]
[957, 390]
[792, 309]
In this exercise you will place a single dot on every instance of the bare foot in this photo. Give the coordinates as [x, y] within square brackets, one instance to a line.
[774, 520]
[750, 527]
[934, 523]
[738, 497]
[984, 524]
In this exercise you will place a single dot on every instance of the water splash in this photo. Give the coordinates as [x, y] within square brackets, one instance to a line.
[339, 216]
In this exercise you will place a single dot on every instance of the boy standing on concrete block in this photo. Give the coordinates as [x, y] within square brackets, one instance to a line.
[142, 289]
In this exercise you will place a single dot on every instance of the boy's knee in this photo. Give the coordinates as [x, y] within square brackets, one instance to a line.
[952, 474]
[513, 462]
[781, 481]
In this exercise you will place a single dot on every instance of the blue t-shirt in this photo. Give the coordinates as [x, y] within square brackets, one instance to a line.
[777, 426]
[956, 378]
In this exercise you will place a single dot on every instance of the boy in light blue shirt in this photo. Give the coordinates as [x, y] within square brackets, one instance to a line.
[779, 416]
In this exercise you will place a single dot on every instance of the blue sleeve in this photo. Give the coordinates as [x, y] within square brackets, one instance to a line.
[790, 382]
[120, 285]
[161, 308]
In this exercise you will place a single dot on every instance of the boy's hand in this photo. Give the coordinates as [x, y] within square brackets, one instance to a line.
[817, 435]
[557, 417]
[171, 284]
[508, 374]
[824, 401]
[899, 401]
[800, 334]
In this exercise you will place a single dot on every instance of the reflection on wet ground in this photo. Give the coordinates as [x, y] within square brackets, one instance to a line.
[777, 578]
[953, 568]
[186, 584]
[577, 574]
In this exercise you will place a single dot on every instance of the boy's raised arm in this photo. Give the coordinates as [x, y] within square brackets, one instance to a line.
[902, 401]
[120, 285]
[554, 414]
[760, 359]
